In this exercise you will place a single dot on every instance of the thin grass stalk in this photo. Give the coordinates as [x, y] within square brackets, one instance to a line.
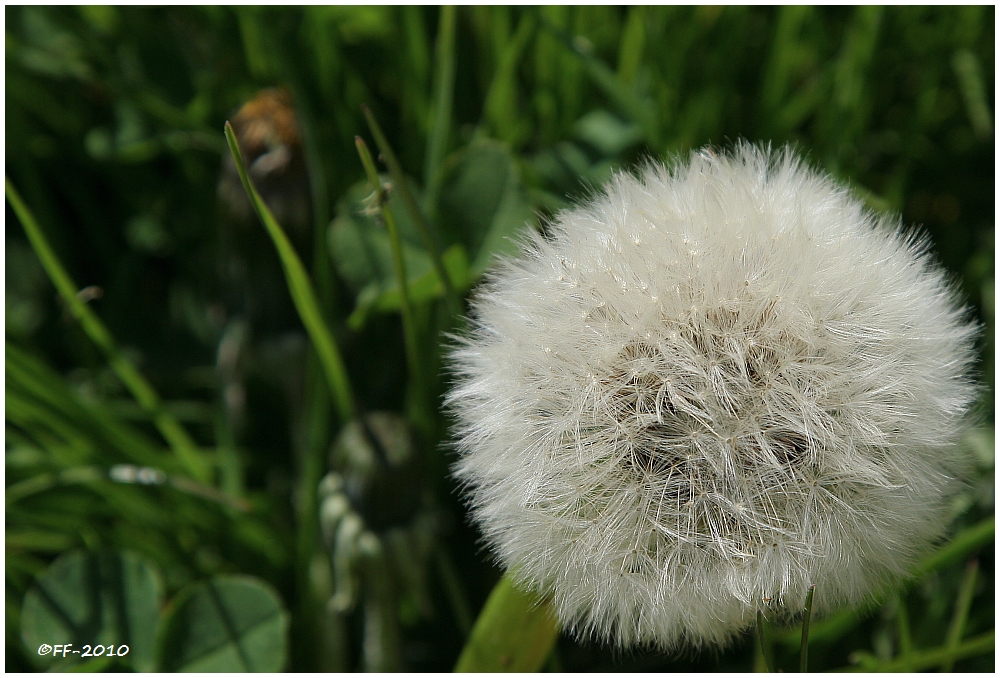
[453, 589]
[399, 180]
[961, 615]
[903, 631]
[444, 91]
[608, 82]
[302, 293]
[172, 431]
[399, 266]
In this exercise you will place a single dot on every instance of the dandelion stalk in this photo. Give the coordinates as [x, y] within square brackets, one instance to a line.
[400, 183]
[804, 647]
[764, 665]
[903, 631]
[171, 430]
[302, 292]
[399, 266]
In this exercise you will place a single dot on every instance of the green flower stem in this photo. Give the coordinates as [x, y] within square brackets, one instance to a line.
[302, 293]
[399, 180]
[804, 647]
[962, 607]
[761, 665]
[444, 90]
[176, 436]
[399, 265]
[903, 631]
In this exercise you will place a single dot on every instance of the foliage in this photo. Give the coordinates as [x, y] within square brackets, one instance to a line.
[158, 418]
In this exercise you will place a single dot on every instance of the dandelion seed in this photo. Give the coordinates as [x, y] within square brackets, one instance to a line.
[783, 415]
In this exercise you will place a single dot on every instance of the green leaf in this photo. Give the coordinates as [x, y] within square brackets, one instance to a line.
[229, 623]
[382, 298]
[93, 599]
[515, 632]
[360, 247]
[483, 202]
[607, 133]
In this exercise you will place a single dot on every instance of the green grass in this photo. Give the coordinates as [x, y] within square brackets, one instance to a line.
[134, 341]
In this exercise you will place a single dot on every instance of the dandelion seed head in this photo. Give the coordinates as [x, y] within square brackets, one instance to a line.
[706, 389]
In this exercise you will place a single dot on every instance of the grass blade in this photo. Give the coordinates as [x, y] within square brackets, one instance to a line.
[919, 661]
[608, 81]
[964, 543]
[171, 430]
[28, 378]
[302, 292]
[444, 91]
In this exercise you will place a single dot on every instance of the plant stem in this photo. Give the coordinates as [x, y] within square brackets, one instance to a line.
[763, 666]
[903, 630]
[515, 632]
[453, 589]
[399, 180]
[962, 607]
[399, 265]
[171, 430]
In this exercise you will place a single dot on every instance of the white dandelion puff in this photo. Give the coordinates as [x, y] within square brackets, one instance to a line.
[707, 389]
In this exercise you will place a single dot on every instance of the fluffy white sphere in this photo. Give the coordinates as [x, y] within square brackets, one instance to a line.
[705, 390]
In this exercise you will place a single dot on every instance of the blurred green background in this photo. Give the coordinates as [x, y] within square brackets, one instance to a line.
[498, 116]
